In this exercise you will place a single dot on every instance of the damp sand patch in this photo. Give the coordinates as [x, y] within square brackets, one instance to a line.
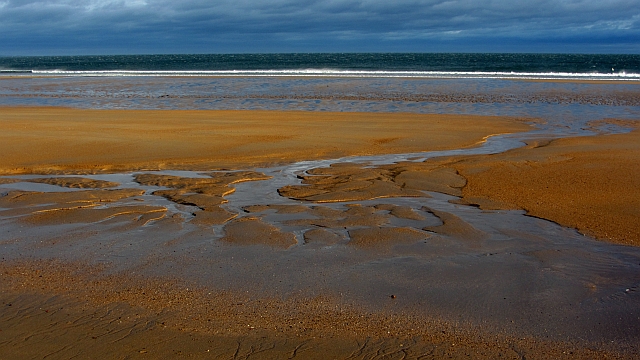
[154, 317]
[252, 231]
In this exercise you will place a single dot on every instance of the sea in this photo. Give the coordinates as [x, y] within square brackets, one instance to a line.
[568, 90]
[386, 65]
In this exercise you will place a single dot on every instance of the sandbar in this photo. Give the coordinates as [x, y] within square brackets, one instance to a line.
[589, 183]
[62, 140]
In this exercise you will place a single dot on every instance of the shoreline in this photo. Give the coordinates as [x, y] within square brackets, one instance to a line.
[337, 76]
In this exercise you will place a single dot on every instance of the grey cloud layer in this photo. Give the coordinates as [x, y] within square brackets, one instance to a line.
[305, 19]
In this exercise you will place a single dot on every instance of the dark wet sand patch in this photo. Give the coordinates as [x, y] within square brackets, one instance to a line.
[347, 182]
[206, 186]
[252, 231]
[401, 212]
[125, 315]
[234, 177]
[420, 176]
[280, 209]
[205, 193]
[86, 206]
[357, 182]
[202, 201]
[321, 236]
[353, 216]
[385, 237]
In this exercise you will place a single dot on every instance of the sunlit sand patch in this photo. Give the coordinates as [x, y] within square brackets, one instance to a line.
[384, 237]
[47, 140]
[212, 216]
[588, 183]
[252, 231]
[8, 181]
[455, 227]
[75, 182]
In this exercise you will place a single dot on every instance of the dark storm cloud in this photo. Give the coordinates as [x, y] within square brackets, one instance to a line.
[214, 26]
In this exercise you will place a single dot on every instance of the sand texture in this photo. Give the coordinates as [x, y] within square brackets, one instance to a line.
[337, 259]
[54, 140]
[132, 317]
[588, 183]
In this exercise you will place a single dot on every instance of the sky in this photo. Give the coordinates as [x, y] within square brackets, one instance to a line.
[94, 27]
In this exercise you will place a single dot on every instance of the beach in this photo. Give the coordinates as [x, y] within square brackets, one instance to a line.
[275, 232]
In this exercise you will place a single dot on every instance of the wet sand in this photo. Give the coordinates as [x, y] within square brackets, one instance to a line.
[62, 311]
[93, 287]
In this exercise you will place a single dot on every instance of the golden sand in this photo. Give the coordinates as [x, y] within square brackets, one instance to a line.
[588, 183]
[52, 140]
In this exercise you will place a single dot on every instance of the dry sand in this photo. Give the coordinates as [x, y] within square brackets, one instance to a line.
[588, 183]
[50, 140]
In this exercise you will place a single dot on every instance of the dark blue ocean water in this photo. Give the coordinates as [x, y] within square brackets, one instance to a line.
[353, 65]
